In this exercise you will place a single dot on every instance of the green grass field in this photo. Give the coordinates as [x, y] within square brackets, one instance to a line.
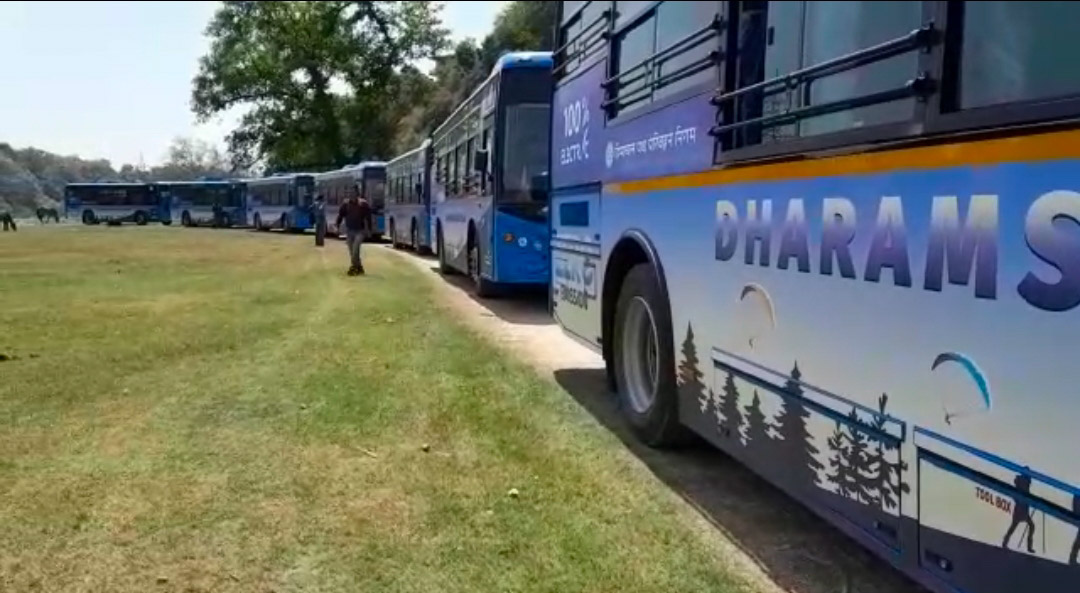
[227, 411]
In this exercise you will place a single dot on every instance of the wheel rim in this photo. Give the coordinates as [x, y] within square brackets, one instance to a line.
[640, 355]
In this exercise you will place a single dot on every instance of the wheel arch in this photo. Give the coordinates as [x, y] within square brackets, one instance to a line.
[633, 248]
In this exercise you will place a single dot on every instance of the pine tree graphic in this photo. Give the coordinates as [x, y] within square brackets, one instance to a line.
[860, 466]
[888, 476]
[690, 376]
[757, 429]
[859, 462]
[839, 473]
[728, 416]
[796, 449]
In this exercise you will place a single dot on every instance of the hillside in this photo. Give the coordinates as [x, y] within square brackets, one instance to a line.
[30, 177]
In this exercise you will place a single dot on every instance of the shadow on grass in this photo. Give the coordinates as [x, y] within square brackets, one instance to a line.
[798, 550]
[526, 305]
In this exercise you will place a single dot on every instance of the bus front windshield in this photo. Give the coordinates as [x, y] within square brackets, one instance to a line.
[376, 191]
[525, 160]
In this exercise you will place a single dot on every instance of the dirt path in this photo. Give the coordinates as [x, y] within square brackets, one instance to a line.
[765, 535]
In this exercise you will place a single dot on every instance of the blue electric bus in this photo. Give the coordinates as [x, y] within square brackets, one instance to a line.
[490, 191]
[408, 200]
[115, 203]
[371, 177]
[215, 203]
[336, 187]
[841, 242]
[281, 201]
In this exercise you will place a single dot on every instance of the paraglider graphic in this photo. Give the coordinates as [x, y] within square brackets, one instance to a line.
[758, 293]
[976, 375]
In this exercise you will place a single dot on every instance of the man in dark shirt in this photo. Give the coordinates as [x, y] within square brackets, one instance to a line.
[356, 212]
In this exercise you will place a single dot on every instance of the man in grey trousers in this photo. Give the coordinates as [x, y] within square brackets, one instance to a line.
[356, 212]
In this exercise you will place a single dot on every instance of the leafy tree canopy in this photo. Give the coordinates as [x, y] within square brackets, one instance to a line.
[314, 77]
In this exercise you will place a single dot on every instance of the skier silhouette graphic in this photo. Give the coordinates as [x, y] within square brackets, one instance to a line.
[1021, 514]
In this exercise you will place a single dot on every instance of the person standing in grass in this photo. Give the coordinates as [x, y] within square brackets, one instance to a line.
[356, 212]
[318, 215]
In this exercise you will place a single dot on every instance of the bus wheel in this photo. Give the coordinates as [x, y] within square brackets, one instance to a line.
[88, 217]
[644, 360]
[185, 218]
[141, 218]
[484, 288]
[393, 235]
[444, 268]
[257, 222]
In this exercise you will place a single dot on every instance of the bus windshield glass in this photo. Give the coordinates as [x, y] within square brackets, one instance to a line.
[525, 163]
[376, 191]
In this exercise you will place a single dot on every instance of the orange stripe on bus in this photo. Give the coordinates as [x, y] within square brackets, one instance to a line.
[1030, 148]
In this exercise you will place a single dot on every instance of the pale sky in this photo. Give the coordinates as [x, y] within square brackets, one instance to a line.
[113, 79]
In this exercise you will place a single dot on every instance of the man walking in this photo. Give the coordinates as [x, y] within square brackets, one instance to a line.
[356, 212]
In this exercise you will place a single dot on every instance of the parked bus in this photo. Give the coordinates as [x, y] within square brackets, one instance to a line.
[841, 242]
[371, 175]
[336, 187]
[281, 201]
[408, 202]
[115, 203]
[490, 191]
[215, 203]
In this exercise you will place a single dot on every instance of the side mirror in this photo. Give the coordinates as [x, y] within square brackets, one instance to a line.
[480, 161]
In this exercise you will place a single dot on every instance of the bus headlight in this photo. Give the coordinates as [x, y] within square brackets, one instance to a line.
[508, 237]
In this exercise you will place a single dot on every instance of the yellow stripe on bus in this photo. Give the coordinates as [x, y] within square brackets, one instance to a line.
[1030, 148]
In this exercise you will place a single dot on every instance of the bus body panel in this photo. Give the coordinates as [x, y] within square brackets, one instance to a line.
[456, 217]
[408, 197]
[200, 202]
[522, 256]
[899, 337]
[114, 202]
[887, 336]
[281, 201]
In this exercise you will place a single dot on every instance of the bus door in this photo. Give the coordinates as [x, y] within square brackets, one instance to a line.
[575, 261]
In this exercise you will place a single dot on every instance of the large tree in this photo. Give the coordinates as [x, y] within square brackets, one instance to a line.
[315, 78]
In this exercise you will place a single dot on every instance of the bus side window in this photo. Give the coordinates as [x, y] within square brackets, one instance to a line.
[789, 36]
[998, 67]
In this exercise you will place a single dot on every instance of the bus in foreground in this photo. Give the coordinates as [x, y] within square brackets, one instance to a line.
[490, 191]
[214, 203]
[841, 242]
[281, 201]
[115, 203]
[408, 200]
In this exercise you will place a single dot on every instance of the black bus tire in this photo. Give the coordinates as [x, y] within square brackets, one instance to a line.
[484, 288]
[141, 218]
[444, 268]
[642, 308]
[88, 217]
